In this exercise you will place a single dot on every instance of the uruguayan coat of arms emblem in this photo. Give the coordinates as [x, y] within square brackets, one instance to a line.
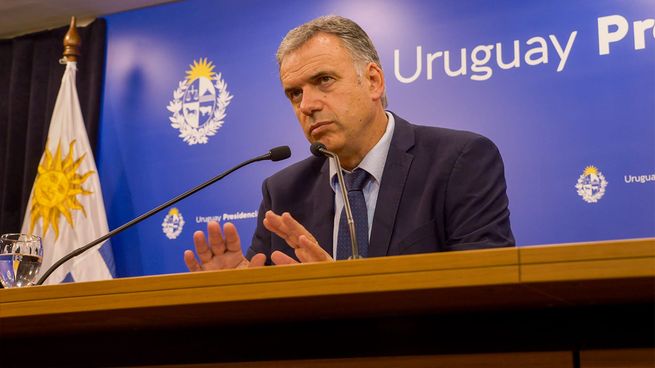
[199, 103]
[173, 224]
[591, 185]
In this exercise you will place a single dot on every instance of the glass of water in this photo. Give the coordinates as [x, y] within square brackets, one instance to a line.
[20, 259]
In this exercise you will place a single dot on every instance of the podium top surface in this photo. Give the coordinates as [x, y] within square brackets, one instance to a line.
[564, 275]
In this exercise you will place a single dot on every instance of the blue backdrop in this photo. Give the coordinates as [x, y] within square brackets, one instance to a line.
[565, 89]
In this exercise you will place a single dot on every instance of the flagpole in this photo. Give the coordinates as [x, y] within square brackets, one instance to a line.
[67, 129]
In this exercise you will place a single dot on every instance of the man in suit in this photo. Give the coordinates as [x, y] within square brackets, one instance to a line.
[419, 189]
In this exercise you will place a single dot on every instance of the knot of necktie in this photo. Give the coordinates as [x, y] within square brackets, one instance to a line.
[356, 180]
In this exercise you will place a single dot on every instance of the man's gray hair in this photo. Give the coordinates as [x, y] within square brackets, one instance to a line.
[350, 33]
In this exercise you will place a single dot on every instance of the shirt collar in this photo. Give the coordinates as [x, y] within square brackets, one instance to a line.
[375, 159]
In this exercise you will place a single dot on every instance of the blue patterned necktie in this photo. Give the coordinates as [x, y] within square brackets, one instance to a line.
[354, 183]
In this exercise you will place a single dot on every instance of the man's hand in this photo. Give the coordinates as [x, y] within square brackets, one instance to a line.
[305, 245]
[222, 252]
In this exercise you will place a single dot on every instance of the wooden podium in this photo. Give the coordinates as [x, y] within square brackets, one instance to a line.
[570, 305]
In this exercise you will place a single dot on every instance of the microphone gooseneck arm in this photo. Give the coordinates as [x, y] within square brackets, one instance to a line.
[275, 154]
[319, 149]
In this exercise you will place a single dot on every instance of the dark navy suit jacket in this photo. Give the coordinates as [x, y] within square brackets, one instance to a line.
[441, 190]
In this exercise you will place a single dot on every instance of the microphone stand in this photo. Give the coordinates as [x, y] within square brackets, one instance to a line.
[320, 148]
[275, 154]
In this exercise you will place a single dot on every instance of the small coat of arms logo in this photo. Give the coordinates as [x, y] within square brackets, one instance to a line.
[199, 103]
[591, 185]
[173, 223]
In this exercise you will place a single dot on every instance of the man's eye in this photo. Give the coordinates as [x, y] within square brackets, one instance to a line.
[325, 79]
[295, 95]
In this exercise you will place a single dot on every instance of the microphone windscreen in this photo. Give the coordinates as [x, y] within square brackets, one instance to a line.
[280, 153]
[316, 148]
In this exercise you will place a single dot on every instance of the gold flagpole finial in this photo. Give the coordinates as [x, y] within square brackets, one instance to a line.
[72, 43]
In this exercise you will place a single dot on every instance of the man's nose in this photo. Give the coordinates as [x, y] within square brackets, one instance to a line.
[311, 102]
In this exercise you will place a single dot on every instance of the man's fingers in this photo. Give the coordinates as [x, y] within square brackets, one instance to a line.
[286, 227]
[232, 241]
[280, 258]
[191, 262]
[295, 228]
[223, 250]
[258, 260]
[274, 224]
[310, 251]
[204, 253]
[216, 240]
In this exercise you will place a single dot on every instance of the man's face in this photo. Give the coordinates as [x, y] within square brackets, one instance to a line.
[333, 104]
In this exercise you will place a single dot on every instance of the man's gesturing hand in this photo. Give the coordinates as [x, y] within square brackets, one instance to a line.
[297, 237]
[222, 252]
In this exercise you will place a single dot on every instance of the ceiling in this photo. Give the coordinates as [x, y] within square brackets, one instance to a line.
[18, 17]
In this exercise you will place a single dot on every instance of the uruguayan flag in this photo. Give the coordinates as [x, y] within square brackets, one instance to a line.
[66, 207]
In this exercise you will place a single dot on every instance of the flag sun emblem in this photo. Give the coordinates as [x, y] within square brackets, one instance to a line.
[199, 103]
[591, 184]
[56, 188]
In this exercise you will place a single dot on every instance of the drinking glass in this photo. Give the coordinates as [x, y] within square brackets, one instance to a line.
[20, 259]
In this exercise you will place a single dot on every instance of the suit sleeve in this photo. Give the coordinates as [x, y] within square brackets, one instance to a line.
[477, 213]
[261, 240]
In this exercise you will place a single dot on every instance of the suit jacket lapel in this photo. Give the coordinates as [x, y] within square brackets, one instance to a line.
[392, 186]
[323, 210]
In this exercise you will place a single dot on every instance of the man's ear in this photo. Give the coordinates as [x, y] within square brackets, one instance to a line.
[375, 78]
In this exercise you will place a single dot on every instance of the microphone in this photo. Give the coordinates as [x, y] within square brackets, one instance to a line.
[319, 149]
[275, 154]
